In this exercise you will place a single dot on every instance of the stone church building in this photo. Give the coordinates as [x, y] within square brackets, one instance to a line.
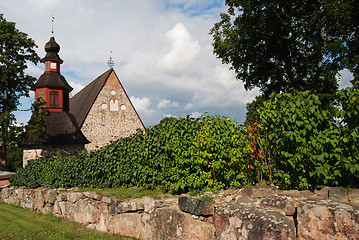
[98, 114]
[104, 112]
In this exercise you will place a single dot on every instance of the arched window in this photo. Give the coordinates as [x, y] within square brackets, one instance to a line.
[54, 99]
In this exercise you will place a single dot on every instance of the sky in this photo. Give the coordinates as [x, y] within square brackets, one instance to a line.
[161, 48]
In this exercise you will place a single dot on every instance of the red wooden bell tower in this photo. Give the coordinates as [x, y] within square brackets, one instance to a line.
[52, 87]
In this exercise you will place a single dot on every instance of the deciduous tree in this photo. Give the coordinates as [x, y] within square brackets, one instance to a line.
[277, 45]
[16, 50]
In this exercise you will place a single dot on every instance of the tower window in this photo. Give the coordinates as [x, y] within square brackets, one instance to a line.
[54, 99]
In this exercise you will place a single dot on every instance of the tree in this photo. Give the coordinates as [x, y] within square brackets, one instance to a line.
[16, 49]
[278, 45]
[252, 115]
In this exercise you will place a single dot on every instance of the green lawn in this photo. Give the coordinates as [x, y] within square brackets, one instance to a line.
[19, 223]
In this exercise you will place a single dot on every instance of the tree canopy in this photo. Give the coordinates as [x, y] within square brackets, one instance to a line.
[277, 45]
[16, 49]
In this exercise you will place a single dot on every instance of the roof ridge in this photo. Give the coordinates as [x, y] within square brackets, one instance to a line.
[80, 108]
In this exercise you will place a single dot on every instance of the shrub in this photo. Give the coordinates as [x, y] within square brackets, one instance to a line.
[305, 145]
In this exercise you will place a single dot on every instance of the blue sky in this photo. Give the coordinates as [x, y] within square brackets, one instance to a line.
[162, 52]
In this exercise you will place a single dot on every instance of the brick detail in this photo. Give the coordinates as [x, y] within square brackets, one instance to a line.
[112, 116]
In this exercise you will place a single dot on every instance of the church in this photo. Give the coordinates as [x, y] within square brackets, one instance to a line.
[100, 113]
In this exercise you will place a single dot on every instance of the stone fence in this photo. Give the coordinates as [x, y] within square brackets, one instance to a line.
[249, 213]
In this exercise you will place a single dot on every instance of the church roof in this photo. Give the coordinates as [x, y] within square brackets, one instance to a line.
[62, 128]
[81, 103]
[52, 80]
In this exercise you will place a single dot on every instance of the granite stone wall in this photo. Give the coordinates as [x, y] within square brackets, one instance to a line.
[258, 213]
[111, 117]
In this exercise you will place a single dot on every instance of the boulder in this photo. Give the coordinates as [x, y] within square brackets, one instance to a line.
[322, 193]
[39, 200]
[149, 204]
[78, 211]
[93, 195]
[251, 222]
[62, 196]
[353, 196]
[74, 196]
[56, 209]
[327, 219]
[50, 196]
[133, 205]
[163, 223]
[335, 193]
[196, 206]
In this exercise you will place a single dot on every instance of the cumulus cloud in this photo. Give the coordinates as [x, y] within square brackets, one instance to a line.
[162, 51]
[184, 49]
[142, 105]
[344, 78]
[165, 103]
[188, 106]
[196, 114]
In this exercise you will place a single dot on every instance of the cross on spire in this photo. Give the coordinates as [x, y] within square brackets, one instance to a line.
[110, 62]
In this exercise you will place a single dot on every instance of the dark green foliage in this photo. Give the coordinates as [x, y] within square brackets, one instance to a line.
[14, 157]
[280, 45]
[302, 140]
[176, 155]
[307, 147]
[30, 176]
[348, 114]
[252, 114]
[299, 144]
[16, 50]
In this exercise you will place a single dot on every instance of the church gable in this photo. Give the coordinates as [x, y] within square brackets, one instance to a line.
[111, 114]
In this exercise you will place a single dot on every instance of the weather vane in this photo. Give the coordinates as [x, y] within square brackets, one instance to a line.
[52, 25]
[110, 62]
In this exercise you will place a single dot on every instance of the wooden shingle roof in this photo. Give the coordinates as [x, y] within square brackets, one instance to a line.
[61, 127]
[52, 80]
[81, 103]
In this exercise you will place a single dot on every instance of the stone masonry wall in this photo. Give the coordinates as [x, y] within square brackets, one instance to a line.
[111, 117]
[258, 213]
[51, 152]
[142, 218]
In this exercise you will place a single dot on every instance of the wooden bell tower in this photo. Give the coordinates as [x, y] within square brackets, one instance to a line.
[52, 87]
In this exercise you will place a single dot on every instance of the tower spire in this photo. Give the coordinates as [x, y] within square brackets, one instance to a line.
[52, 26]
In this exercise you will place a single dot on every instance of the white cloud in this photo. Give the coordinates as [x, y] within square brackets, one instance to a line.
[34, 70]
[224, 77]
[162, 51]
[165, 103]
[76, 87]
[196, 114]
[169, 115]
[344, 78]
[184, 49]
[142, 105]
[188, 106]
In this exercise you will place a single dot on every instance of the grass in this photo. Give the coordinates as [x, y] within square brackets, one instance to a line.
[127, 193]
[20, 223]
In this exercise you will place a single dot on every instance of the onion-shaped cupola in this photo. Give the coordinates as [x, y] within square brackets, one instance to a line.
[52, 49]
